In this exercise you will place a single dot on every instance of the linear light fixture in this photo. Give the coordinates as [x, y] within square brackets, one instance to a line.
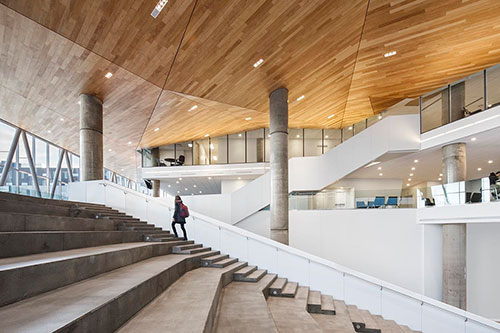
[390, 54]
[108, 75]
[258, 63]
[331, 116]
[372, 164]
[300, 98]
[193, 108]
[158, 8]
[248, 118]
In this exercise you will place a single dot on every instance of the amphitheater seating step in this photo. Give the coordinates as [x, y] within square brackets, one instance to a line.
[210, 260]
[100, 304]
[314, 302]
[290, 289]
[188, 305]
[277, 286]
[244, 272]
[340, 323]
[224, 262]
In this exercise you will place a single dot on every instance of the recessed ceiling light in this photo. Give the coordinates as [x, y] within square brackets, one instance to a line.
[248, 118]
[190, 145]
[390, 54]
[381, 174]
[240, 135]
[201, 192]
[300, 98]
[130, 142]
[409, 179]
[258, 63]
[185, 189]
[490, 161]
[79, 102]
[379, 117]
[157, 129]
[411, 175]
[440, 178]
[331, 116]
[379, 168]
[326, 136]
[177, 182]
[413, 168]
[194, 185]
[440, 175]
[209, 177]
[159, 6]
[49, 131]
[108, 75]
[110, 149]
[123, 169]
[61, 119]
[206, 135]
[407, 184]
[415, 161]
[298, 136]
[169, 185]
[350, 128]
[178, 192]
[194, 107]
[239, 177]
[180, 178]
[214, 158]
[473, 139]
[489, 105]
[479, 169]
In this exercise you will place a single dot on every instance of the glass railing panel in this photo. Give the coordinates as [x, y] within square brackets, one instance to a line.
[359, 126]
[218, 150]
[313, 142]
[255, 146]
[332, 138]
[467, 97]
[493, 86]
[347, 133]
[295, 143]
[237, 150]
[435, 109]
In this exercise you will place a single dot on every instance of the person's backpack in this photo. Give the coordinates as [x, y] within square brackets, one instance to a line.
[183, 211]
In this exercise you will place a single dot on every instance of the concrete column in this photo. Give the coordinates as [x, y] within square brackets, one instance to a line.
[454, 235]
[156, 188]
[279, 164]
[91, 156]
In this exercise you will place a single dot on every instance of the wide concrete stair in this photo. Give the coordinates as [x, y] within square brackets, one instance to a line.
[78, 267]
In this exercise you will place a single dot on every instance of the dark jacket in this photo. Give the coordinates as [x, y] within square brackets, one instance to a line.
[493, 178]
[177, 214]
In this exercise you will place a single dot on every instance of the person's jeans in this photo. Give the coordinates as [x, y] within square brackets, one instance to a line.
[182, 227]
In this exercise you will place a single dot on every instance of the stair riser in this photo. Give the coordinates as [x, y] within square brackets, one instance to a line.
[29, 199]
[18, 284]
[314, 308]
[222, 265]
[25, 222]
[13, 206]
[191, 251]
[20, 244]
[115, 313]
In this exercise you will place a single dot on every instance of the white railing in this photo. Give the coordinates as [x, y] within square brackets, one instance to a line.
[392, 302]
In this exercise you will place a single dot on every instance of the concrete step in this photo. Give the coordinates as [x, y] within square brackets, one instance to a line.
[37, 222]
[388, 325]
[255, 276]
[243, 273]
[327, 305]
[196, 292]
[14, 206]
[193, 251]
[340, 322]
[370, 323]
[314, 302]
[225, 262]
[101, 304]
[210, 260]
[290, 314]
[277, 286]
[27, 276]
[15, 244]
[30, 199]
[290, 289]
[187, 247]
[356, 318]
[243, 308]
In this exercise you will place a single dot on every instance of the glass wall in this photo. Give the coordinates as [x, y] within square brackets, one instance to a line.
[237, 148]
[255, 146]
[295, 143]
[201, 152]
[493, 86]
[313, 142]
[331, 139]
[218, 150]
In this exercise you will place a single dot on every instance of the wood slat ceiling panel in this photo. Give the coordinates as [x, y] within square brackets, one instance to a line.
[437, 42]
[122, 31]
[307, 46]
[48, 72]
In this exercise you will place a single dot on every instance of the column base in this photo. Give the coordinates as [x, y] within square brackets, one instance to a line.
[280, 235]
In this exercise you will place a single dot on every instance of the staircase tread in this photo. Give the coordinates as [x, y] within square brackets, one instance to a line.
[48, 257]
[369, 320]
[279, 283]
[327, 303]
[290, 289]
[314, 298]
[188, 246]
[246, 270]
[217, 257]
[354, 314]
[55, 309]
[387, 325]
[257, 274]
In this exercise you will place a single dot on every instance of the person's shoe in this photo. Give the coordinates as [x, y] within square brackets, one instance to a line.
[185, 239]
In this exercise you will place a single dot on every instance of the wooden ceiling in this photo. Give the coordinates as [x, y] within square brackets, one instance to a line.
[201, 52]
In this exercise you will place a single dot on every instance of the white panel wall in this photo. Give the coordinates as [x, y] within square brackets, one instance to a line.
[483, 269]
[384, 243]
[258, 223]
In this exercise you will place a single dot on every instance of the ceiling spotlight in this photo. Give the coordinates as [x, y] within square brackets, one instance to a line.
[178, 192]
[248, 118]
[331, 116]
[479, 169]
[300, 98]
[411, 175]
[413, 168]
[157, 129]
[206, 135]
[194, 185]
[185, 189]
[108, 75]
[490, 161]
[177, 182]
[298, 136]
[415, 161]
[379, 168]
[169, 185]
[440, 178]
[123, 169]
[194, 107]
[258, 63]
[409, 179]
[49, 131]
[61, 119]
[407, 184]
[130, 142]
[209, 177]
[79, 102]
[473, 139]
[381, 174]
[110, 149]
[240, 135]
[201, 192]
[158, 8]
[180, 178]
[350, 128]
[390, 54]
[190, 145]
[326, 136]
[214, 158]
[379, 117]
[239, 177]
[440, 175]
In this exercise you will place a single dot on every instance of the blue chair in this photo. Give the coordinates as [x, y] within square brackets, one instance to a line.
[379, 202]
[392, 201]
[371, 204]
[361, 204]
